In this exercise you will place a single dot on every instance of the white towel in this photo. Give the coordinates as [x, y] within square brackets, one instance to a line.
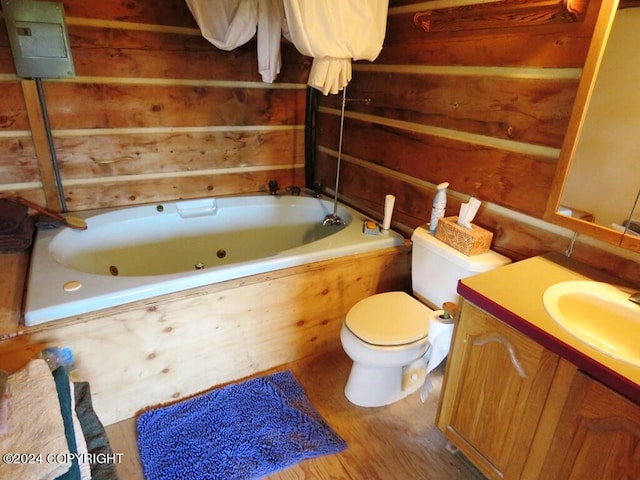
[34, 426]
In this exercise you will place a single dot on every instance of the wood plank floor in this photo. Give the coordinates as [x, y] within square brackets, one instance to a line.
[399, 441]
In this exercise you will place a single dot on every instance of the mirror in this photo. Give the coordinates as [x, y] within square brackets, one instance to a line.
[597, 181]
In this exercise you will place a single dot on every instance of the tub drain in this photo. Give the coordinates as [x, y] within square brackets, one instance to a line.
[221, 253]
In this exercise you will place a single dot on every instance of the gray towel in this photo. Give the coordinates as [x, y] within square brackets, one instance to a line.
[12, 215]
[19, 240]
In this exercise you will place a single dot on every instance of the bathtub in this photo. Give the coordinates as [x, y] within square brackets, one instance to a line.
[141, 252]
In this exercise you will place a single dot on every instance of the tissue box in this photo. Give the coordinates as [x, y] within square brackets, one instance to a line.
[472, 241]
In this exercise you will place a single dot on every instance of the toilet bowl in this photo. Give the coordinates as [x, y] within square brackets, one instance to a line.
[386, 335]
[389, 357]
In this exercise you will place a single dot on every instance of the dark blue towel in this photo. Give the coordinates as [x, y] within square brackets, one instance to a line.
[64, 396]
[238, 432]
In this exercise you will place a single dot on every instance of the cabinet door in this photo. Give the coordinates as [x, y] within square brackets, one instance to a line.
[598, 435]
[495, 387]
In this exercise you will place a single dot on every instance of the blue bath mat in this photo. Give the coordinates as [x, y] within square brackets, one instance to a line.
[241, 431]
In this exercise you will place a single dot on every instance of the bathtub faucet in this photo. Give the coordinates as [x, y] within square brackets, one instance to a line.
[635, 298]
[274, 188]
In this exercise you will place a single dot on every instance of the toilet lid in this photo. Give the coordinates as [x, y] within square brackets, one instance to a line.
[386, 319]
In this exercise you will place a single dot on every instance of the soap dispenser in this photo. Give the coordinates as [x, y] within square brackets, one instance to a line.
[439, 204]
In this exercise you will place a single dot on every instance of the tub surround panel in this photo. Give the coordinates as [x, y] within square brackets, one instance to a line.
[171, 347]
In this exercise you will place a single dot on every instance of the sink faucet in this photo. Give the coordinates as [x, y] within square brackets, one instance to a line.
[273, 187]
[635, 298]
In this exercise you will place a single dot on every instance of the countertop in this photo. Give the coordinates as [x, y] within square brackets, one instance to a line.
[513, 294]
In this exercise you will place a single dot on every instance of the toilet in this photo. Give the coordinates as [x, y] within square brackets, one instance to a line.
[387, 335]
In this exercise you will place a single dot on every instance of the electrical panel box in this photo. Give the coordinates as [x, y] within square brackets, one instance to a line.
[39, 39]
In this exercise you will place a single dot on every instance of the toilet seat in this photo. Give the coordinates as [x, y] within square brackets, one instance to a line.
[388, 319]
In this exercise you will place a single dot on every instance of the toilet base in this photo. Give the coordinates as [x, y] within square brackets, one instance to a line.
[379, 386]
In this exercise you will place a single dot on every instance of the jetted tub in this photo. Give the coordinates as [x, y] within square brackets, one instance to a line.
[141, 252]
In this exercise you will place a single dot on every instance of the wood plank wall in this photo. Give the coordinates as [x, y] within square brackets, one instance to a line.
[155, 112]
[482, 104]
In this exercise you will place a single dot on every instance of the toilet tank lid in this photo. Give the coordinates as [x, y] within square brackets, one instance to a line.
[474, 263]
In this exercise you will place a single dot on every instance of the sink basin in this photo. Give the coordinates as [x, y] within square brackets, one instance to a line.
[599, 315]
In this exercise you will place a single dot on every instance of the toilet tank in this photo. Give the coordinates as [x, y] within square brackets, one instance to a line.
[436, 268]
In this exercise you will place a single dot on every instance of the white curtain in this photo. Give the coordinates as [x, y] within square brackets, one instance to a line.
[332, 31]
[227, 24]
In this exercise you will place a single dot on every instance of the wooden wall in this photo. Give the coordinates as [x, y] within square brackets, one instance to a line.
[155, 112]
[481, 101]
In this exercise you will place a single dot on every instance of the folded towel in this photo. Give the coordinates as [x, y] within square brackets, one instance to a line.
[11, 215]
[64, 401]
[94, 433]
[18, 240]
[81, 443]
[34, 425]
[4, 401]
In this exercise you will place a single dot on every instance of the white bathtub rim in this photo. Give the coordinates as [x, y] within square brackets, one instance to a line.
[53, 303]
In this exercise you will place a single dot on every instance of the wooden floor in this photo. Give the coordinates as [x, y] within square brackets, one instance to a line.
[399, 441]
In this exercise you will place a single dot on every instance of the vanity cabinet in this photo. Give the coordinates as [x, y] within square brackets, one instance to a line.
[518, 411]
[496, 384]
[597, 435]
